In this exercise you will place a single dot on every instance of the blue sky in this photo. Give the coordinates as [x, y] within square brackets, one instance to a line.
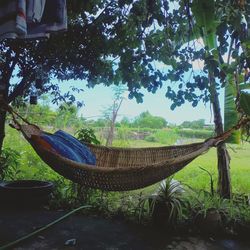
[100, 97]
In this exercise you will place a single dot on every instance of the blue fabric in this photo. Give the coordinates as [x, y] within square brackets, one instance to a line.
[69, 147]
[83, 150]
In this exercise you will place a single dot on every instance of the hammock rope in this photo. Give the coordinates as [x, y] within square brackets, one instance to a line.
[121, 169]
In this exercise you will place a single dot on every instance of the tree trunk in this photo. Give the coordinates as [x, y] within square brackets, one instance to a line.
[111, 133]
[6, 73]
[2, 129]
[3, 96]
[224, 180]
[223, 163]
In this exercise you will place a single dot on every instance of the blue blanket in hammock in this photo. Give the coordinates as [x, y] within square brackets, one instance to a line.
[68, 146]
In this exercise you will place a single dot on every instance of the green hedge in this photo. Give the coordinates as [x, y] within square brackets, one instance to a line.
[190, 133]
[167, 137]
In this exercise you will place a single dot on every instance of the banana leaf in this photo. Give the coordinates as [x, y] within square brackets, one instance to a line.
[230, 113]
[204, 12]
[245, 102]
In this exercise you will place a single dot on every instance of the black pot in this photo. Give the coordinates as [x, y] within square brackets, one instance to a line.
[25, 192]
[211, 222]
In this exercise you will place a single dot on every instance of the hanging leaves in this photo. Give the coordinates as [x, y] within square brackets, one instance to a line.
[204, 13]
[245, 102]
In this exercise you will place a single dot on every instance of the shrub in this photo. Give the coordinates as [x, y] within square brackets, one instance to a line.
[166, 205]
[9, 164]
[167, 137]
[87, 135]
[190, 133]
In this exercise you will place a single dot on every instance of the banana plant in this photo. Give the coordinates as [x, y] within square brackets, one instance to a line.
[230, 115]
[204, 12]
[206, 24]
[245, 102]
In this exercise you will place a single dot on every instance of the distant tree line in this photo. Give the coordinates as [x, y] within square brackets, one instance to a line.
[68, 117]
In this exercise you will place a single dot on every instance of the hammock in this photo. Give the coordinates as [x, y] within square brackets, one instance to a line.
[120, 169]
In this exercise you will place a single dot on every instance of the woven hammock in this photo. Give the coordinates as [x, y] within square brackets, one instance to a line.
[120, 169]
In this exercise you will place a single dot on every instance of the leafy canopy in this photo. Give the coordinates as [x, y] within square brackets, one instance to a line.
[141, 44]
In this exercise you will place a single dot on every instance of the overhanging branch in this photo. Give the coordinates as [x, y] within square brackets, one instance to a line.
[20, 88]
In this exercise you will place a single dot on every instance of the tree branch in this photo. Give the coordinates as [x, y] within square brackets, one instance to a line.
[230, 51]
[12, 67]
[101, 13]
[20, 88]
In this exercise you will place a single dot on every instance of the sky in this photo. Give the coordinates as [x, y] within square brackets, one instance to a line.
[101, 97]
[97, 99]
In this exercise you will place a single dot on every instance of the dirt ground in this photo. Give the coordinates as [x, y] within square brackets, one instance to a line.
[88, 232]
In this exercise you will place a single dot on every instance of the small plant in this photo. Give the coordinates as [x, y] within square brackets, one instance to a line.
[207, 208]
[165, 206]
[87, 135]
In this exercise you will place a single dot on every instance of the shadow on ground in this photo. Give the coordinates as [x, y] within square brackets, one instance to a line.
[86, 232]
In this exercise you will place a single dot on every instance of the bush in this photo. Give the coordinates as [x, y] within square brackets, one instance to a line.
[167, 137]
[151, 138]
[9, 164]
[190, 133]
[87, 135]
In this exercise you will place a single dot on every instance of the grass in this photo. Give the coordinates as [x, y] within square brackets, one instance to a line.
[32, 167]
[240, 169]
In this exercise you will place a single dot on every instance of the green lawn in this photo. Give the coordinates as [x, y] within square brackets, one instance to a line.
[240, 169]
[197, 178]
[32, 166]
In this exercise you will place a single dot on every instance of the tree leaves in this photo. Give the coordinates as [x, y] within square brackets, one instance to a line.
[143, 44]
[245, 102]
[204, 12]
[230, 113]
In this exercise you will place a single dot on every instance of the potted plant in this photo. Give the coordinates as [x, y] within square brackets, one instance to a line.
[207, 208]
[210, 212]
[166, 205]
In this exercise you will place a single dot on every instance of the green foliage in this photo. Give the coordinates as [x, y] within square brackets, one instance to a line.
[194, 133]
[87, 135]
[37, 114]
[125, 122]
[231, 111]
[9, 164]
[245, 102]
[245, 107]
[166, 204]
[123, 133]
[65, 195]
[66, 116]
[112, 58]
[240, 169]
[198, 124]
[101, 123]
[231, 116]
[146, 120]
[232, 211]
[204, 13]
[167, 137]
